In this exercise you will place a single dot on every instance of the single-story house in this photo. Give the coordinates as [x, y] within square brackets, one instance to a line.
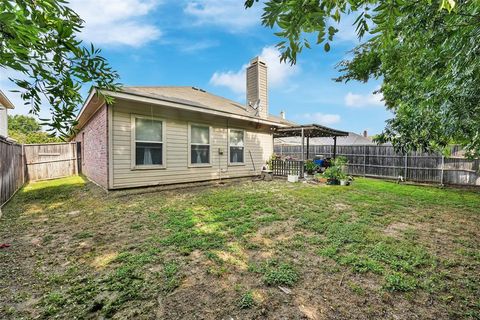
[5, 104]
[167, 135]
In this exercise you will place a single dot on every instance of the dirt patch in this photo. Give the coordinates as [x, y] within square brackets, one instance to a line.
[396, 229]
[341, 207]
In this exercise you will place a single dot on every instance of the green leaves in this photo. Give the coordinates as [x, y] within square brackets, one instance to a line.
[448, 5]
[37, 39]
[426, 53]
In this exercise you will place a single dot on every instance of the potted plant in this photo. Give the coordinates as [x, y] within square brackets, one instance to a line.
[333, 175]
[336, 174]
[310, 167]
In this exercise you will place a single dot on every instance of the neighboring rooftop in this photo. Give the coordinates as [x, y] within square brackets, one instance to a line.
[351, 139]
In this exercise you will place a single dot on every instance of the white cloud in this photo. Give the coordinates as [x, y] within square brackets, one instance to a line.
[193, 47]
[234, 81]
[229, 14]
[346, 29]
[363, 100]
[116, 22]
[320, 118]
[278, 73]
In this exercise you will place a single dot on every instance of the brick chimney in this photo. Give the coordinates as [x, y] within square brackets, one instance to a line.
[257, 86]
[365, 133]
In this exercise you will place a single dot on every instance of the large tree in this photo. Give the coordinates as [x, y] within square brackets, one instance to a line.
[38, 41]
[426, 53]
[25, 129]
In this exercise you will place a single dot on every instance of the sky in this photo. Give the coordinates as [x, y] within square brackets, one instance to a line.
[208, 44]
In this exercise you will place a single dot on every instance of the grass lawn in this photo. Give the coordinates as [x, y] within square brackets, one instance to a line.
[246, 251]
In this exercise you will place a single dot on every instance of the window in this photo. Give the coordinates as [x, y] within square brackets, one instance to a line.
[199, 144]
[236, 144]
[148, 142]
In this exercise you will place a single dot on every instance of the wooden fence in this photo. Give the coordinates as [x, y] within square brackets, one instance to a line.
[284, 168]
[32, 162]
[384, 162]
[49, 161]
[12, 169]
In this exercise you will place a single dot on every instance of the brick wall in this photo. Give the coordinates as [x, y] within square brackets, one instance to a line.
[94, 139]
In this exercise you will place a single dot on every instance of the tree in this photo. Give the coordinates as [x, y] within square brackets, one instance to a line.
[426, 53]
[23, 124]
[25, 129]
[38, 39]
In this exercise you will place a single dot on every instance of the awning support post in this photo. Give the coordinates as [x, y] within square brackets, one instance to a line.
[308, 147]
[334, 147]
[303, 145]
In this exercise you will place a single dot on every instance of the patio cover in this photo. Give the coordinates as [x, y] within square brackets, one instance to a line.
[310, 131]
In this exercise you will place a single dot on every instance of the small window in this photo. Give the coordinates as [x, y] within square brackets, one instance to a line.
[236, 143]
[148, 142]
[199, 144]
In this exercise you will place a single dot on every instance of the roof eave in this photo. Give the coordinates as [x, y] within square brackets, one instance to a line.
[4, 101]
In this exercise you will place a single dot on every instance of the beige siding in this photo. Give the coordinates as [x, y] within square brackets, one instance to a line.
[258, 142]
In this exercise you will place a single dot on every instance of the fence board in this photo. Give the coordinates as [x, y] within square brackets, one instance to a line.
[384, 162]
[51, 160]
[12, 169]
[284, 168]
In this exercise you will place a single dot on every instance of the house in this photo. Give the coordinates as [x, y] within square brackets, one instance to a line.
[5, 104]
[167, 135]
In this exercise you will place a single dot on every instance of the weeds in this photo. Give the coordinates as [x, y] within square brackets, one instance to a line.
[246, 301]
[276, 273]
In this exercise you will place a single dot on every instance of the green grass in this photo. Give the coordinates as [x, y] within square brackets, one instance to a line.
[87, 254]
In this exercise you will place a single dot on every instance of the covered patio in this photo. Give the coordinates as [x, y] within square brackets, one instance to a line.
[308, 131]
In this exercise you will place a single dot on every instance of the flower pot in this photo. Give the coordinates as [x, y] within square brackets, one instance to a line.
[333, 182]
[344, 182]
[292, 178]
[322, 180]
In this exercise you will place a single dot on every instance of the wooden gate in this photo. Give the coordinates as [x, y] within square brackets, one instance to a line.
[12, 169]
[52, 160]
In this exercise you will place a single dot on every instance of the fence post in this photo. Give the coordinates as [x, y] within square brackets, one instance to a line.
[364, 160]
[443, 169]
[406, 165]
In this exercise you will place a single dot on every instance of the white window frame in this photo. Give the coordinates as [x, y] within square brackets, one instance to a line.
[134, 141]
[199, 165]
[244, 147]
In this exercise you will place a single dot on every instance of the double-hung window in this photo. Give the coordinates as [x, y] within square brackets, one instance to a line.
[236, 145]
[148, 142]
[199, 145]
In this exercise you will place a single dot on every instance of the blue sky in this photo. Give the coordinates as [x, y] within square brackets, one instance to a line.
[208, 43]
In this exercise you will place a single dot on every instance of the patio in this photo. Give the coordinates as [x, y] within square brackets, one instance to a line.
[306, 131]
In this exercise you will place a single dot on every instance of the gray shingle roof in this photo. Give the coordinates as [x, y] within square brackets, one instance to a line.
[198, 97]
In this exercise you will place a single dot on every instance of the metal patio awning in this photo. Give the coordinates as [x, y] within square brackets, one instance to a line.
[310, 131]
